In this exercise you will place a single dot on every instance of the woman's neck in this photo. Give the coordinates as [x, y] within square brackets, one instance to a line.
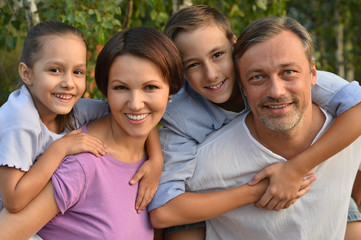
[120, 145]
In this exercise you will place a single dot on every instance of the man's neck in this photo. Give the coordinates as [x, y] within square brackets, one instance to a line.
[292, 142]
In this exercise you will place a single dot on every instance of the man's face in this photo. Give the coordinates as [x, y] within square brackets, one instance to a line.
[277, 79]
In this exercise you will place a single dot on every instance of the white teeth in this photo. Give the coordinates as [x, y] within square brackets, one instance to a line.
[63, 97]
[278, 106]
[137, 117]
[217, 86]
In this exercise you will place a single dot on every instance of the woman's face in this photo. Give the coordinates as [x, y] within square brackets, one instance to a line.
[137, 94]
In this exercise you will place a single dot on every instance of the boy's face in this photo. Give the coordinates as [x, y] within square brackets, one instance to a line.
[208, 63]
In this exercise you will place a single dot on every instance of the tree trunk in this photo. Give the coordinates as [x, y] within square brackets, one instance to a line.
[31, 13]
[339, 39]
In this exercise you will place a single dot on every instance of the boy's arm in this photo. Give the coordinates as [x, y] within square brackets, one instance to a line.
[194, 207]
[26, 223]
[149, 173]
[285, 178]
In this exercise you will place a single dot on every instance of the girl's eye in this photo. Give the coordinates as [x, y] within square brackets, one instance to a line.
[78, 72]
[217, 55]
[55, 70]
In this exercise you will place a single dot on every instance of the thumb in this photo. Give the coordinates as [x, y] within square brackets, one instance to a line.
[257, 178]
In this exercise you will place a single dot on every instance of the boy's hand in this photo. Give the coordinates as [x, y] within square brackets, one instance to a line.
[77, 142]
[286, 186]
[149, 176]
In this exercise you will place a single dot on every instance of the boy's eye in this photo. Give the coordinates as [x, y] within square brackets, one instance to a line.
[192, 65]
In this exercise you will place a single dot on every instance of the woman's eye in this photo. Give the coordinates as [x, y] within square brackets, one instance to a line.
[151, 87]
[120, 88]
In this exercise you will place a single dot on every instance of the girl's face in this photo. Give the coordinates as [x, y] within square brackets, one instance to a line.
[57, 79]
[137, 94]
[208, 62]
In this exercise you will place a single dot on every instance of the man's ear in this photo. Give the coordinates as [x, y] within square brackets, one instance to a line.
[25, 74]
[313, 74]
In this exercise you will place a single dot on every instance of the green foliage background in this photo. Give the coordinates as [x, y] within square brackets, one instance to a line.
[99, 20]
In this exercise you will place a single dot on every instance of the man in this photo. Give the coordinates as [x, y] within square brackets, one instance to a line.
[275, 61]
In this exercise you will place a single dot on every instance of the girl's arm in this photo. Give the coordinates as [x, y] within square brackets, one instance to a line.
[149, 173]
[26, 223]
[18, 188]
[286, 177]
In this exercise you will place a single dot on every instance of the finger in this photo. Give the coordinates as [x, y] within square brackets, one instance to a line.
[265, 199]
[136, 178]
[310, 173]
[303, 191]
[140, 196]
[258, 177]
[280, 205]
[307, 181]
[289, 203]
[272, 204]
[75, 132]
[145, 201]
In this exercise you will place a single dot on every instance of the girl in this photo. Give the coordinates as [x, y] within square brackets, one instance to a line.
[136, 70]
[205, 40]
[38, 117]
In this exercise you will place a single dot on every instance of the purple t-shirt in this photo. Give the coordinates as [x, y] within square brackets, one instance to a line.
[96, 200]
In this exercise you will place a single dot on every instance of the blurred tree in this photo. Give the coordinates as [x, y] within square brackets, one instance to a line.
[99, 20]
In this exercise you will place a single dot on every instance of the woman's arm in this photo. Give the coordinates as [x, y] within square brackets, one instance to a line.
[149, 173]
[31, 219]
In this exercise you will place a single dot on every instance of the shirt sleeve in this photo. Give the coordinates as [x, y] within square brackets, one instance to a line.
[179, 163]
[69, 182]
[18, 147]
[88, 110]
[334, 93]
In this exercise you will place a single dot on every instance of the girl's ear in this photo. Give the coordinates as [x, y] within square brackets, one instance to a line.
[25, 74]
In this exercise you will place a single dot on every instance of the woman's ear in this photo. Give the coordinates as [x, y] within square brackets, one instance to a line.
[25, 74]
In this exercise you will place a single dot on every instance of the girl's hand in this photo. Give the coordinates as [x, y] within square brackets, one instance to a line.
[149, 176]
[286, 185]
[77, 142]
